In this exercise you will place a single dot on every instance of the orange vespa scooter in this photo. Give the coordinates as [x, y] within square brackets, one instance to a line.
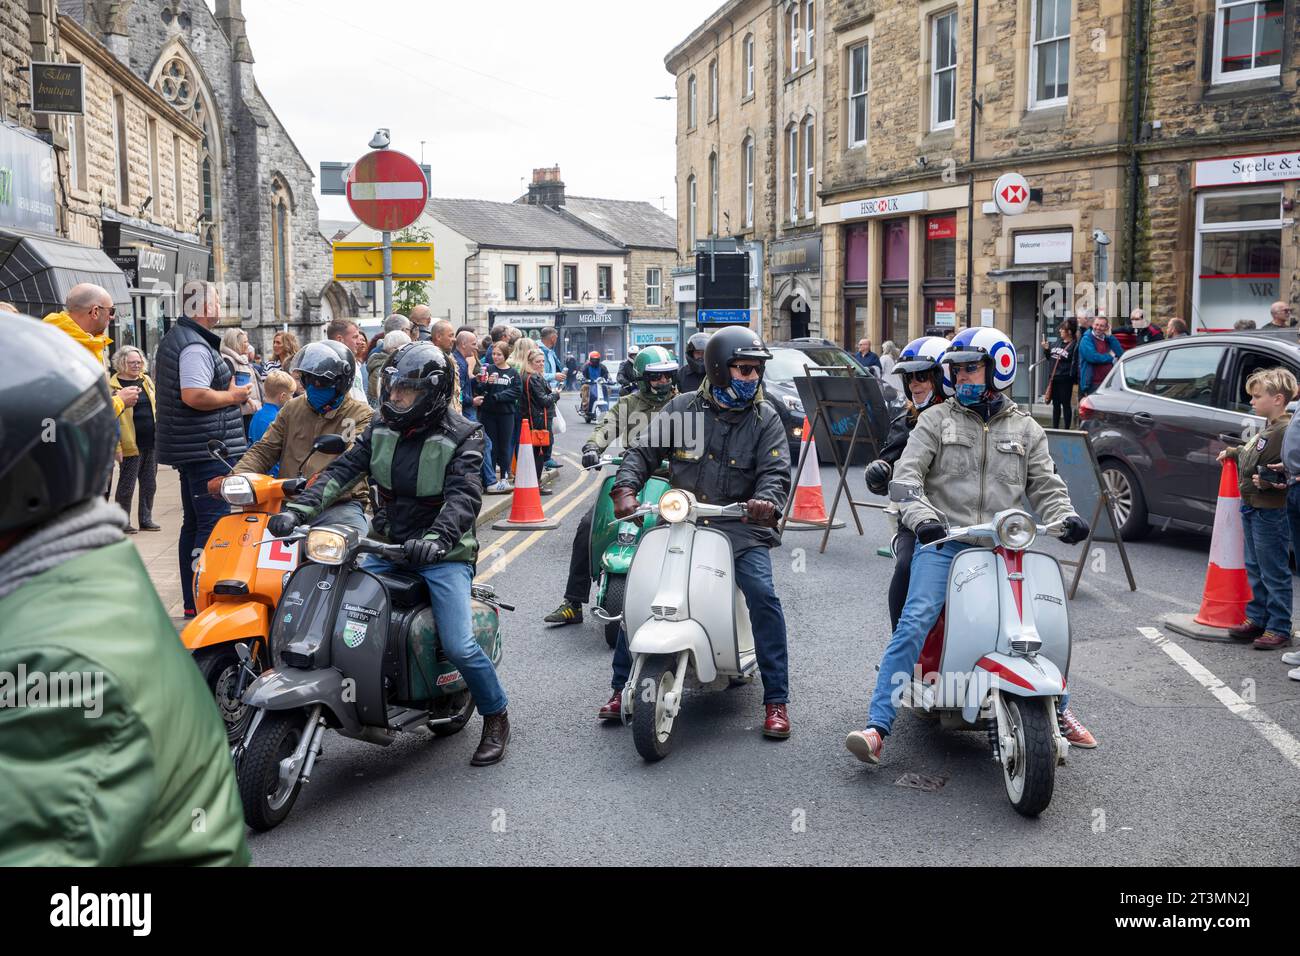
[238, 579]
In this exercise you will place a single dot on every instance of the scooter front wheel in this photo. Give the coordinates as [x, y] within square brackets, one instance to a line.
[220, 667]
[615, 589]
[266, 798]
[652, 723]
[1030, 770]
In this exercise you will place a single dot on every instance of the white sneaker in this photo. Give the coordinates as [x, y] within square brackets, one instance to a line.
[1291, 657]
[1294, 673]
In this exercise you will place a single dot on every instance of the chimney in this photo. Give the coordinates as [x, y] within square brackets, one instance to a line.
[547, 188]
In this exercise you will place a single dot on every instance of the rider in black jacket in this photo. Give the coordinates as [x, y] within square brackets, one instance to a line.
[724, 443]
[424, 462]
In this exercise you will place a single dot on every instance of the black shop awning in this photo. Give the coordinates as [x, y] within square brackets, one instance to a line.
[37, 271]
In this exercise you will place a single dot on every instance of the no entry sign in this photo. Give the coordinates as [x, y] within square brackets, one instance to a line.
[386, 190]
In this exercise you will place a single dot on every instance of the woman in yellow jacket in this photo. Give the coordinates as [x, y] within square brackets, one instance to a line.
[136, 437]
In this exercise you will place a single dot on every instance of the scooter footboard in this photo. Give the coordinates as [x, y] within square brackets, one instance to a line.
[672, 637]
[291, 688]
[1020, 676]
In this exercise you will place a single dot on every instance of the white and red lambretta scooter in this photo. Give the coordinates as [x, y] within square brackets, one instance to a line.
[998, 657]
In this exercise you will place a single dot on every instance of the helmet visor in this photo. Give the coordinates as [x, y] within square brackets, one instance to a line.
[965, 355]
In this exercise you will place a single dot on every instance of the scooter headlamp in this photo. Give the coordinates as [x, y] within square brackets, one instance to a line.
[238, 490]
[1016, 531]
[674, 506]
[326, 547]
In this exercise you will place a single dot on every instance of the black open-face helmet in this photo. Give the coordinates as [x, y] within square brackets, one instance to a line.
[695, 350]
[58, 433]
[327, 364]
[415, 387]
[728, 344]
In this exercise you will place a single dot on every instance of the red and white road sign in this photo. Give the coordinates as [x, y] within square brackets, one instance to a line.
[386, 190]
[1011, 194]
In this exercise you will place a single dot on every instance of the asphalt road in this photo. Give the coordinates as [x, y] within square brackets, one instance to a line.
[1179, 778]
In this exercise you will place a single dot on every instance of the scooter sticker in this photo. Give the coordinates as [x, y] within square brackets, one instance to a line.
[967, 577]
[448, 678]
[354, 633]
[277, 556]
[1049, 598]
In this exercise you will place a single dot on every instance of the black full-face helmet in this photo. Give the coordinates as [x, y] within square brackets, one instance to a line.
[728, 344]
[695, 346]
[327, 364]
[415, 387]
[58, 433]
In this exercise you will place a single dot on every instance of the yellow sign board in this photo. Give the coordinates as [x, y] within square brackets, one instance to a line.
[354, 261]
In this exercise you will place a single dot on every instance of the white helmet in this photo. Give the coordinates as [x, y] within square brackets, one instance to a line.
[982, 345]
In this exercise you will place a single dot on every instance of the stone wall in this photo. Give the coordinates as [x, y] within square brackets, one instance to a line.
[15, 51]
[638, 260]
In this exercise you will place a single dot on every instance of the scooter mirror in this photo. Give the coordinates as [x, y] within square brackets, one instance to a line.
[217, 449]
[902, 492]
[330, 444]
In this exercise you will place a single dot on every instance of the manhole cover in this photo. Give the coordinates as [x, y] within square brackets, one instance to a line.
[921, 781]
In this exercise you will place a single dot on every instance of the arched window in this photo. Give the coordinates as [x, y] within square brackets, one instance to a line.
[748, 82]
[690, 216]
[690, 102]
[713, 194]
[809, 166]
[713, 90]
[181, 84]
[281, 248]
[747, 167]
[792, 162]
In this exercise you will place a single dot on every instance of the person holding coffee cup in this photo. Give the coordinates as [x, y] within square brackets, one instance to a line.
[234, 349]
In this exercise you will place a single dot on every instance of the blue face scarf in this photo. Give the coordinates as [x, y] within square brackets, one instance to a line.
[970, 393]
[320, 397]
[741, 393]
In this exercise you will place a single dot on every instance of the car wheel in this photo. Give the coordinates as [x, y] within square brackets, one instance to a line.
[1130, 504]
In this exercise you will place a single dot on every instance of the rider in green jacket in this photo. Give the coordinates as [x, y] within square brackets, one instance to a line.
[111, 751]
[656, 375]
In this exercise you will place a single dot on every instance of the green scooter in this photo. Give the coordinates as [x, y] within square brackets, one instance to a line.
[612, 546]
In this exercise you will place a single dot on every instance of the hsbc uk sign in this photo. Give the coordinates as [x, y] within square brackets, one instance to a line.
[885, 206]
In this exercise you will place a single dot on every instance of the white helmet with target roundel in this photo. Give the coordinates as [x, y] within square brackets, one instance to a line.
[989, 346]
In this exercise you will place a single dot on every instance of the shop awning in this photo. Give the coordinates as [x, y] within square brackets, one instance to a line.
[37, 271]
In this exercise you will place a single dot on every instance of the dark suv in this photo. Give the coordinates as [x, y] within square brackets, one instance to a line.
[1164, 413]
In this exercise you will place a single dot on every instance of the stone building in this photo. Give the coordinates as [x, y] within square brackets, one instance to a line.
[257, 213]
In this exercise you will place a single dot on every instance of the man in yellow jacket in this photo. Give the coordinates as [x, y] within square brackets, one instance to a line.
[86, 314]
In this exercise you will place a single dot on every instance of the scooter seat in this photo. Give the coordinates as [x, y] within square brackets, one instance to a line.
[404, 589]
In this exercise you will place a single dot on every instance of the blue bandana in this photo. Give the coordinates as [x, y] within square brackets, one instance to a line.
[970, 393]
[740, 394]
[320, 398]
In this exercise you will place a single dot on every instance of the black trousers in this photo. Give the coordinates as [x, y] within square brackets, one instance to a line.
[905, 546]
[499, 429]
[578, 590]
[142, 467]
[1062, 394]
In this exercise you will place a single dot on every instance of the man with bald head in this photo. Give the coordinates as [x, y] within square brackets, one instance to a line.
[421, 318]
[85, 317]
[443, 334]
[467, 362]
[197, 400]
[1280, 315]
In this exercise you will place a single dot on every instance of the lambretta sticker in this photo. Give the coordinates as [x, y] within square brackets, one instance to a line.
[357, 609]
[1051, 599]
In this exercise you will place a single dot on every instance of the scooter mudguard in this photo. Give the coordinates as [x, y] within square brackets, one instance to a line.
[672, 637]
[287, 688]
[227, 623]
[1011, 674]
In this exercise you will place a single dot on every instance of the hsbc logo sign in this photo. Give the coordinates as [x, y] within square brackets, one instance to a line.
[1014, 194]
[885, 206]
[1011, 194]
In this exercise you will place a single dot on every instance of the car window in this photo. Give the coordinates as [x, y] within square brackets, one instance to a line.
[1138, 369]
[1188, 374]
[788, 364]
[1249, 362]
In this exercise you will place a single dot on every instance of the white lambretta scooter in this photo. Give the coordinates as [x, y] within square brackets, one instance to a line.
[683, 614]
[998, 657]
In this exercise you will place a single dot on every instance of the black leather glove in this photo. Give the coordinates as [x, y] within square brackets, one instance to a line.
[624, 500]
[878, 474]
[422, 551]
[760, 512]
[1076, 530]
[927, 532]
[282, 525]
[590, 457]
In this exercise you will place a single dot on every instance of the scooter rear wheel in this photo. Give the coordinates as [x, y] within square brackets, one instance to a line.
[615, 589]
[266, 801]
[652, 727]
[1031, 776]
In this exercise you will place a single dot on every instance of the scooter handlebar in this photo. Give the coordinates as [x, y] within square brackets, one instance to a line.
[989, 530]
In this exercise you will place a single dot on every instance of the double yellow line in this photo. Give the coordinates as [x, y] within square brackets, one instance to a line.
[581, 485]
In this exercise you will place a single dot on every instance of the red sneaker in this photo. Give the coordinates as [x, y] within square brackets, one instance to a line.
[1073, 731]
[777, 722]
[865, 744]
[613, 709]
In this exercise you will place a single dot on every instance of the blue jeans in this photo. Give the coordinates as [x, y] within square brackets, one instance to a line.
[1267, 543]
[200, 514]
[489, 473]
[349, 514]
[754, 576]
[449, 591]
[926, 595]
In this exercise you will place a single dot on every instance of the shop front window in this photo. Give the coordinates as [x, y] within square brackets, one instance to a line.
[1238, 258]
[855, 256]
[894, 282]
[940, 286]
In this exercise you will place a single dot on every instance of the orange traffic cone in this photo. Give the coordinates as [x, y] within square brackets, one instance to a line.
[809, 502]
[526, 503]
[1227, 592]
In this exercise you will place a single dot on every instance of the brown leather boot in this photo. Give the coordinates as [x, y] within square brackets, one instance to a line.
[492, 745]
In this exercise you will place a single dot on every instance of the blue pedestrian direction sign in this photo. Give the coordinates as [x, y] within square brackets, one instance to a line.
[723, 316]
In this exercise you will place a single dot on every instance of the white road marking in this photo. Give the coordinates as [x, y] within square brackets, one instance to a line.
[1282, 741]
[389, 191]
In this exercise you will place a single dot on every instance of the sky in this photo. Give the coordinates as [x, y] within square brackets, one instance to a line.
[488, 89]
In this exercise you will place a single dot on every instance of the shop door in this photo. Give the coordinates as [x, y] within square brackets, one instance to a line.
[895, 323]
[1026, 331]
[855, 322]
